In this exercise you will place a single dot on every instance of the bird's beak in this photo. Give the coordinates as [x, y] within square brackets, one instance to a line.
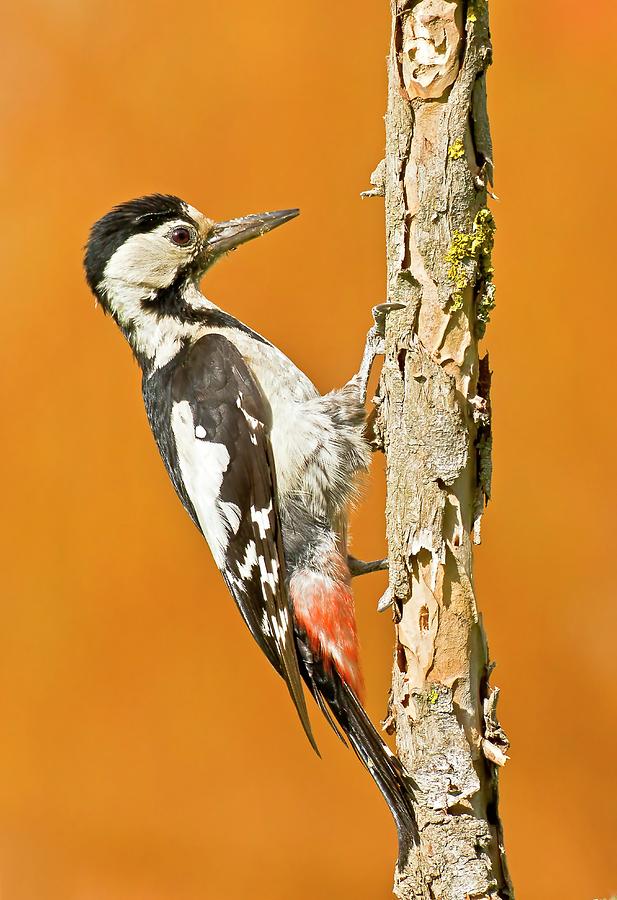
[229, 235]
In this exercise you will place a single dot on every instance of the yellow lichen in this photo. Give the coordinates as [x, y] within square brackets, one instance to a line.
[456, 150]
[469, 258]
[472, 12]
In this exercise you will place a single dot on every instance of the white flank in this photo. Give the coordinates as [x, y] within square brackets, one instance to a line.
[202, 465]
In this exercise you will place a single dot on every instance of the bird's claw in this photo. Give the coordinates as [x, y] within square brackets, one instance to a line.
[375, 345]
[379, 316]
[387, 600]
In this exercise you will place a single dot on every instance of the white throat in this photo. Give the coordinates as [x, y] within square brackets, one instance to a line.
[158, 338]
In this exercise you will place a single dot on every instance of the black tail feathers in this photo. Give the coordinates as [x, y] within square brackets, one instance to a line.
[338, 702]
[382, 764]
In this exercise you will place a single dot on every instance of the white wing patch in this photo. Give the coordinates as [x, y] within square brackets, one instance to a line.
[203, 465]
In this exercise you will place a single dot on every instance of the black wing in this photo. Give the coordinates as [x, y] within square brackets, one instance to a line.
[220, 424]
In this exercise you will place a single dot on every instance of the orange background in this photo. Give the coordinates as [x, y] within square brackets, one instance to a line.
[147, 752]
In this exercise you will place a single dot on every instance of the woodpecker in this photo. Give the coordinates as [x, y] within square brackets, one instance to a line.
[265, 467]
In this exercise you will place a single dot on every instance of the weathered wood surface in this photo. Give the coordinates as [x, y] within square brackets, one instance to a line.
[434, 421]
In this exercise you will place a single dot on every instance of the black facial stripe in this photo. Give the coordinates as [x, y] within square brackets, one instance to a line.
[169, 301]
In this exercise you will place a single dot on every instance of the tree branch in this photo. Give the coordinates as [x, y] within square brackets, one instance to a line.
[434, 418]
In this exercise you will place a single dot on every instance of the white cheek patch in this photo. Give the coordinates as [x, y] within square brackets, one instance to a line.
[144, 264]
[202, 466]
[149, 260]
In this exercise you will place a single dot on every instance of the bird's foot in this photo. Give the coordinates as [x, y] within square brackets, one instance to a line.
[379, 314]
[360, 567]
[375, 345]
[386, 601]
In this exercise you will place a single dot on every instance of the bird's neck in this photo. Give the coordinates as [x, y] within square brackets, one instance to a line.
[156, 326]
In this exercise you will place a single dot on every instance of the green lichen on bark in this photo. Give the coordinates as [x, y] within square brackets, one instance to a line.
[469, 259]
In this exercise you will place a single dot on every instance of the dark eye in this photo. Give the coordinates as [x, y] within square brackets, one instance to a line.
[181, 236]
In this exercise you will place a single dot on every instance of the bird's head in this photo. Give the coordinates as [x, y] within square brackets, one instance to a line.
[141, 257]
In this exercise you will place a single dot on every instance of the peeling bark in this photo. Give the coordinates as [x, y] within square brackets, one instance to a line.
[434, 418]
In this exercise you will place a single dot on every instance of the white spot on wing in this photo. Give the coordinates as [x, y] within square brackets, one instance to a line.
[200, 432]
[261, 517]
[270, 578]
[264, 622]
[250, 561]
[280, 624]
